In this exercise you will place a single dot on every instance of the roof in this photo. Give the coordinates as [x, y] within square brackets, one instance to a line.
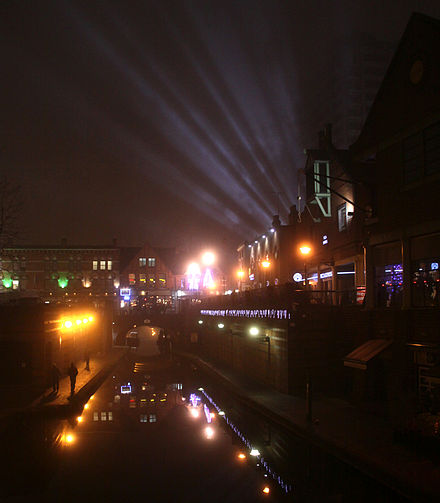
[359, 357]
[390, 117]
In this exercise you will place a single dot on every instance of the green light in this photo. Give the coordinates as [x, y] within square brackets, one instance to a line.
[7, 282]
[62, 282]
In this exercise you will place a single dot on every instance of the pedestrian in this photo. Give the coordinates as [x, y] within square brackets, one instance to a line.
[87, 359]
[56, 374]
[73, 372]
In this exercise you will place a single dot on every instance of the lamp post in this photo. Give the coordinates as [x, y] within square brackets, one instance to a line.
[305, 252]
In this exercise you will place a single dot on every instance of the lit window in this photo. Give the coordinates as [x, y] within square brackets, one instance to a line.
[142, 278]
[132, 279]
[142, 262]
[162, 280]
[109, 265]
[152, 418]
[151, 280]
[342, 217]
[151, 262]
[143, 418]
[103, 416]
[95, 265]
[102, 265]
[95, 416]
[110, 416]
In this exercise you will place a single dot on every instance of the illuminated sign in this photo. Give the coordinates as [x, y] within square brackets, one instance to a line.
[325, 239]
[125, 293]
[297, 277]
[125, 389]
[208, 280]
[252, 277]
[434, 266]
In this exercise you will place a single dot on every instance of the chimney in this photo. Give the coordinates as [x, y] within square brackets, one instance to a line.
[321, 140]
[328, 134]
[276, 222]
[64, 242]
[293, 215]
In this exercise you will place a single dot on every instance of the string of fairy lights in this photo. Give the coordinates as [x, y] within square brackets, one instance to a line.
[285, 486]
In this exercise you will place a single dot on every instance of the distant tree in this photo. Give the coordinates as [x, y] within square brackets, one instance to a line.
[10, 206]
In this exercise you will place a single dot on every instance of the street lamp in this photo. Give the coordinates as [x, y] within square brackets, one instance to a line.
[305, 252]
[208, 258]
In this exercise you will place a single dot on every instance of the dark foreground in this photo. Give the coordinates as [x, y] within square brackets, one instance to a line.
[145, 435]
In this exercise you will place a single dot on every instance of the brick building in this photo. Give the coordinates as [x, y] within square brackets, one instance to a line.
[60, 271]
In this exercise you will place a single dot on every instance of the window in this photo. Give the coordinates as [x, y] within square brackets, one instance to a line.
[95, 265]
[413, 158]
[421, 154]
[182, 284]
[342, 217]
[95, 416]
[143, 418]
[151, 280]
[110, 416]
[162, 280]
[132, 279]
[102, 265]
[151, 262]
[103, 416]
[142, 262]
[321, 174]
[109, 265]
[152, 418]
[142, 278]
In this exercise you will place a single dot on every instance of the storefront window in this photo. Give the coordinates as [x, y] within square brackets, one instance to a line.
[389, 285]
[426, 283]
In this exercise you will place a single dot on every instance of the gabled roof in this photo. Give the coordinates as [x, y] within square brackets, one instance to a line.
[408, 98]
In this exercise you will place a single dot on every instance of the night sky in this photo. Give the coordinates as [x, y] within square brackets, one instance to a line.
[172, 122]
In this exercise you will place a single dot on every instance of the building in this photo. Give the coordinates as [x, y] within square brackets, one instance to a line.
[59, 271]
[401, 139]
[150, 276]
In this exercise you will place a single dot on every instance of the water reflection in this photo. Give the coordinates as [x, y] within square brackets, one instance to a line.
[170, 407]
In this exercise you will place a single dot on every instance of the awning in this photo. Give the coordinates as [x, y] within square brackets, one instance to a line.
[359, 358]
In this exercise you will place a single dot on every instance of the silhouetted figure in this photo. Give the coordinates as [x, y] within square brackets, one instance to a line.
[73, 372]
[87, 359]
[56, 374]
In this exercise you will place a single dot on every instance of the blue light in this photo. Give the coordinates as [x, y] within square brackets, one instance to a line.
[434, 266]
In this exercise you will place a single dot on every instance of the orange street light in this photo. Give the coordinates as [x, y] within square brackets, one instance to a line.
[305, 250]
[240, 274]
[265, 264]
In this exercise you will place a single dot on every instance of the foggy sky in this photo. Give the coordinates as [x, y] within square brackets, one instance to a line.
[173, 122]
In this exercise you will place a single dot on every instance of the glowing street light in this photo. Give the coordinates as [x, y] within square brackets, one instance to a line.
[265, 264]
[221, 325]
[240, 274]
[305, 250]
[254, 331]
[254, 452]
[208, 258]
[68, 324]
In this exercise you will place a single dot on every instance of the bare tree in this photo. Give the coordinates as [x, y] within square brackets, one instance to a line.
[10, 206]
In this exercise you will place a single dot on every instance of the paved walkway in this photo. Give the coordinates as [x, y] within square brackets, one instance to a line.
[365, 441]
[97, 364]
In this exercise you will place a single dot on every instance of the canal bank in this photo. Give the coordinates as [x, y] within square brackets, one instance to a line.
[363, 441]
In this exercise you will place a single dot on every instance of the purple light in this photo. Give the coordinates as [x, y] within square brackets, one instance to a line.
[207, 413]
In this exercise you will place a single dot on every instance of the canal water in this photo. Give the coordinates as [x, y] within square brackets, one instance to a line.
[162, 429]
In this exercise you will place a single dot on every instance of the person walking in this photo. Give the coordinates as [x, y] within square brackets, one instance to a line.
[73, 372]
[87, 359]
[56, 374]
